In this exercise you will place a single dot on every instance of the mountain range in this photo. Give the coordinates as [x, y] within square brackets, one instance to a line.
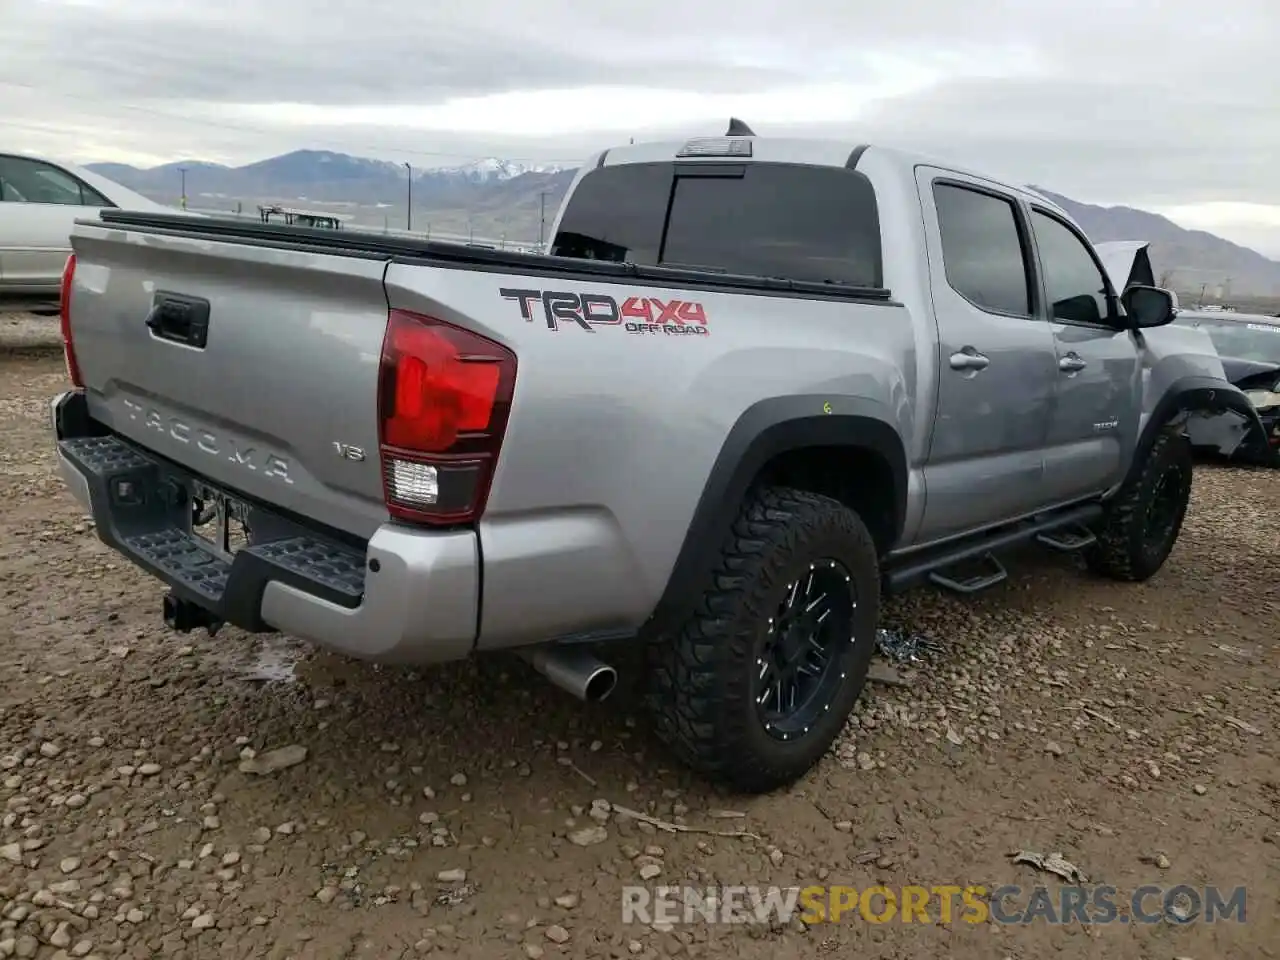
[489, 198]
[1187, 260]
[495, 198]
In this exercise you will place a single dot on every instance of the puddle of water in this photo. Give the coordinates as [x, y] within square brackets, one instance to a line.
[275, 661]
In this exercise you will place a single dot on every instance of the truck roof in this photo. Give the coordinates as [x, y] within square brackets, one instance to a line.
[815, 151]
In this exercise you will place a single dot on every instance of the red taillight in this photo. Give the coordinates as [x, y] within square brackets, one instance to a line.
[64, 313]
[443, 398]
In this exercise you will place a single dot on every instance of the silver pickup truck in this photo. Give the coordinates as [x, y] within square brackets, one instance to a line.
[754, 384]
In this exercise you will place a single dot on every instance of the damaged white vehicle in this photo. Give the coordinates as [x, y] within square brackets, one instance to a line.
[1247, 346]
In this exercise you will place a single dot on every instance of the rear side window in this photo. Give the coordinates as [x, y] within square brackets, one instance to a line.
[982, 249]
[90, 197]
[787, 221]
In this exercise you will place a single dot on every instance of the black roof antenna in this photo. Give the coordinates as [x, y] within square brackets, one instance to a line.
[739, 129]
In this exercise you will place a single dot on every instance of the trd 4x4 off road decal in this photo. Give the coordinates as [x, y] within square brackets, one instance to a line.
[591, 310]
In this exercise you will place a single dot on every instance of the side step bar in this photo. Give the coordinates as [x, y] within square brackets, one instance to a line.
[1067, 539]
[975, 582]
[1064, 531]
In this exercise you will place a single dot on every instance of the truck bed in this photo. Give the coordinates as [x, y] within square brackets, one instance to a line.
[280, 403]
[278, 407]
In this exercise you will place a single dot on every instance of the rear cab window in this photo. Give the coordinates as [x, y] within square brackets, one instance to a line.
[784, 221]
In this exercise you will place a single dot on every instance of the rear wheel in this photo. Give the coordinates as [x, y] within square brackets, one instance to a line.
[1144, 519]
[759, 682]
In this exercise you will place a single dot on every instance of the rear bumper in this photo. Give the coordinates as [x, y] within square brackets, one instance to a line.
[407, 596]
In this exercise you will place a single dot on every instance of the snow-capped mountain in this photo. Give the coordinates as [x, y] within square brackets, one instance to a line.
[492, 168]
[494, 194]
[317, 174]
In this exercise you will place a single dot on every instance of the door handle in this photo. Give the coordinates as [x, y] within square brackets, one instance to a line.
[968, 358]
[1071, 363]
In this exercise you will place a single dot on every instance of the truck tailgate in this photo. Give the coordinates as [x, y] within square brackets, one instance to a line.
[278, 402]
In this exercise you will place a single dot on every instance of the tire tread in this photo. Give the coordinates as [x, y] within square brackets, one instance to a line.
[1116, 553]
[692, 672]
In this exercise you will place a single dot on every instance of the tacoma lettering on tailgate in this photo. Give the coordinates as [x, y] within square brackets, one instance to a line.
[201, 438]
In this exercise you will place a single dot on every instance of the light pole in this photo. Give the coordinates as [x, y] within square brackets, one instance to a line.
[408, 214]
[542, 217]
[182, 172]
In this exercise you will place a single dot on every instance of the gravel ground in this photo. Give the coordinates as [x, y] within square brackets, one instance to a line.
[472, 810]
[24, 334]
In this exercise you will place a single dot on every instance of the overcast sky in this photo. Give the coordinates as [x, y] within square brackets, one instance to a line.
[1170, 105]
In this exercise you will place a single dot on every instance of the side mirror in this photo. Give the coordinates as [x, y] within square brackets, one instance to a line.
[1148, 306]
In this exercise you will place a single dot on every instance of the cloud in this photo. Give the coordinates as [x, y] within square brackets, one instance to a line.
[1170, 105]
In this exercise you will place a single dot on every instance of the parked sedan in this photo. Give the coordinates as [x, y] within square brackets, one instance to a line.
[39, 201]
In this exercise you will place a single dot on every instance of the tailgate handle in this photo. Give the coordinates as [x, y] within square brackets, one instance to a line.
[179, 318]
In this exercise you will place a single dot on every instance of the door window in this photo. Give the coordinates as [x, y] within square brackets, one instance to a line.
[30, 181]
[1076, 286]
[982, 249]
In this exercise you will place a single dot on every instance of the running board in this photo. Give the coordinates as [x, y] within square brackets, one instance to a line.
[1067, 539]
[976, 582]
[915, 570]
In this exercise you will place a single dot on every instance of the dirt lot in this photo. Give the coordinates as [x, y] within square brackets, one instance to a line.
[26, 332]
[1129, 728]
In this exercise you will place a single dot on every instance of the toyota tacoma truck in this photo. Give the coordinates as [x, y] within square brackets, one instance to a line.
[751, 386]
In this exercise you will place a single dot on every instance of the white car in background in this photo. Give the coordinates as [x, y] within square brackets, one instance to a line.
[39, 202]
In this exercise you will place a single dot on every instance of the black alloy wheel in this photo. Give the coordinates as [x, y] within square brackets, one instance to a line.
[1166, 505]
[799, 669]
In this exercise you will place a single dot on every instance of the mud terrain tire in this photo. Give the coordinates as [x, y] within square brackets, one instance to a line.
[1143, 520]
[705, 681]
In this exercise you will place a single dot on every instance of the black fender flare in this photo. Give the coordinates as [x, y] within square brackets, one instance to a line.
[1211, 394]
[763, 431]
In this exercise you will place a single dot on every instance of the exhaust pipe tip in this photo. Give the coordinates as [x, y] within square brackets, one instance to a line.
[574, 670]
[600, 684]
